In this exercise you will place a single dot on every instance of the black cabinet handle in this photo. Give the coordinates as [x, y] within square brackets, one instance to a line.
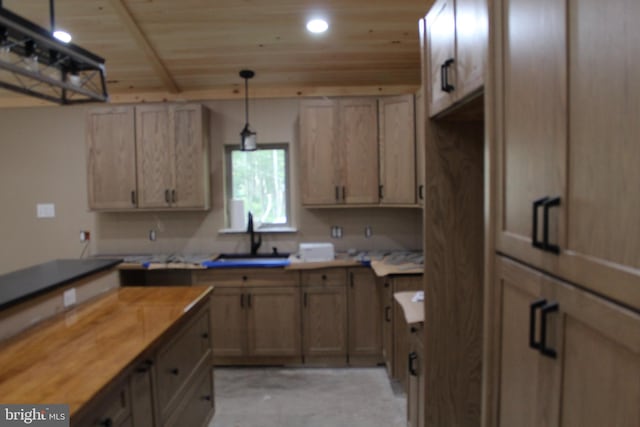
[548, 204]
[532, 323]
[380, 193]
[304, 299]
[241, 300]
[324, 277]
[444, 76]
[337, 193]
[207, 398]
[175, 371]
[173, 196]
[413, 356]
[133, 197]
[244, 278]
[534, 229]
[344, 193]
[108, 422]
[351, 279]
[166, 196]
[421, 192]
[547, 351]
[387, 313]
[145, 366]
[205, 335]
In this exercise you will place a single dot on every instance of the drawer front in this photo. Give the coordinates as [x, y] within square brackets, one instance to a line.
[177, 360]
[197, 407]
[233, 277]
[112, 410]
[324, 277]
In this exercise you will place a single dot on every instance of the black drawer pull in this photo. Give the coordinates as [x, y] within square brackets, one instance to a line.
[324, 277]
[133, 197]
[166, 196]
[107, 422]
[205, 335]
[244, 278]
[421, 192]
[444, 71]
[175, 371]
[547, 351]
[386, 284]
[532, 323]
[413, 356]
[534, 229]
[548, 204]
[207, 398]
[387, 313]
[173, 196]
[380, 192]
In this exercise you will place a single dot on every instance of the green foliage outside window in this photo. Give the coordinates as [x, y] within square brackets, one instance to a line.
[260, 179]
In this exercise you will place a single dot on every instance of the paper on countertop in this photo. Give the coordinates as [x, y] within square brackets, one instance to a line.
[419, 296]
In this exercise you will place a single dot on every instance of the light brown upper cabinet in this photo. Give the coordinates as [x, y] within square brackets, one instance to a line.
[339, 151]
[397, 150]
[339, 148]
[160, 160]
[456, 37]
[111, 158]
[567, 147]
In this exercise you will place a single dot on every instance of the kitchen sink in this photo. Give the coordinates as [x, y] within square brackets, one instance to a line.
[240, 260]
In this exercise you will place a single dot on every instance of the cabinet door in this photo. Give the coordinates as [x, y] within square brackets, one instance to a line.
[274, 321]
[400, 327]
[142, 412]
[111, 157]
[441, 29]
[364, 314]
[527, 388]
[397, 150]
[416, 382]
[319, 158]
[420, 145]
[598, 348]
[324, 321]
[471, 45]
[358, 141]
[386, 303]
[531, 111]
[190, 146]
[228, 322]
[602, 203]
[154, 150]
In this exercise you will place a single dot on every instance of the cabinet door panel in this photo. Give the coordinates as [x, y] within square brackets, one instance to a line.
[324, 321]
[319, 163]
[599, 349]
[228, 322]
[154, 156]
[471, 50]
[441, 47]
[190, 148]
[359, 146]
[603, 204]
[111, 151]
[397, 150]
[532, 122]
[274, 321]
[364, 312]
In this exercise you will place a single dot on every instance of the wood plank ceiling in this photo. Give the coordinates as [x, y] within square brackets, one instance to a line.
[194, 49]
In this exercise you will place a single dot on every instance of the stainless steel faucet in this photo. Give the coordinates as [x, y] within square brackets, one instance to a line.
[255, 245]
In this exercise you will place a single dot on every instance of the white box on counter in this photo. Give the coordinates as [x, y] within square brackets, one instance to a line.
[316, 252]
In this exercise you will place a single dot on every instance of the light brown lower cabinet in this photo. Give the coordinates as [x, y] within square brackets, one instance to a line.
[567, 357]
[172, 385]
[363, 300]
[415, 382]
[385, 285]
[324, 316]
[255, 316]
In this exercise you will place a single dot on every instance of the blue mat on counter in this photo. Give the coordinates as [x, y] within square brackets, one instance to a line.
[257, 263]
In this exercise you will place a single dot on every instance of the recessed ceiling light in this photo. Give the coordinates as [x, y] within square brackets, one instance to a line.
[317, 26]
[62, 35]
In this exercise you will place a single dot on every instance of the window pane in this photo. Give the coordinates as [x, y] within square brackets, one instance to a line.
[259, 178]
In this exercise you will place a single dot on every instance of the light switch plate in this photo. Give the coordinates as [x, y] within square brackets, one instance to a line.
[69, 297]
[46, 210]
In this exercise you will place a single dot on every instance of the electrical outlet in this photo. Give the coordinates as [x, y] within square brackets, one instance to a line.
[368, 232]
[85, 236]
[46, 210]
[69, 297]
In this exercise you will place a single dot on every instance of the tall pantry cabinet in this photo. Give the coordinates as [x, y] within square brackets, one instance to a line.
[567, 97]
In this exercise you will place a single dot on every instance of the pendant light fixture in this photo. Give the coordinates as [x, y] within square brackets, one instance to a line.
[248, 137]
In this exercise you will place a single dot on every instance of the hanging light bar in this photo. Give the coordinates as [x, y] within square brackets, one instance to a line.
[248, 138]
[35, 63]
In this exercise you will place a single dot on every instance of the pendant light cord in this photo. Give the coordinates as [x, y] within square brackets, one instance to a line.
[246, 100]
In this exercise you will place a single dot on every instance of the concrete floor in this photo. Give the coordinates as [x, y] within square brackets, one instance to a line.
[297, 397]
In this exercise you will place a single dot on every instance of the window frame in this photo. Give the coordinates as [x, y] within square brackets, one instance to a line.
[228, 149]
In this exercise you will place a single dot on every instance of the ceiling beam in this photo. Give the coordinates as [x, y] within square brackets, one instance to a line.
[145, 45]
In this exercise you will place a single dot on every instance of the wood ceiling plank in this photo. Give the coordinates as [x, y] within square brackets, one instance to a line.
[144, 44]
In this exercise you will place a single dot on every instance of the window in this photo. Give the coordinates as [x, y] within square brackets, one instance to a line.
[260, 178]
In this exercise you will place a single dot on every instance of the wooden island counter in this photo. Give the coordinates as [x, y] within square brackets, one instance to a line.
[133, 357]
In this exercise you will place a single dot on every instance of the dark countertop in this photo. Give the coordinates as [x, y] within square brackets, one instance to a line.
[22, 284]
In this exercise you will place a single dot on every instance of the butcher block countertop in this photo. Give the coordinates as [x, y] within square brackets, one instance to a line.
[413, 310]
[72, 357]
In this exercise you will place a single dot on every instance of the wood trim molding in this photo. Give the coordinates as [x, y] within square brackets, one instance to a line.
[142, 41]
